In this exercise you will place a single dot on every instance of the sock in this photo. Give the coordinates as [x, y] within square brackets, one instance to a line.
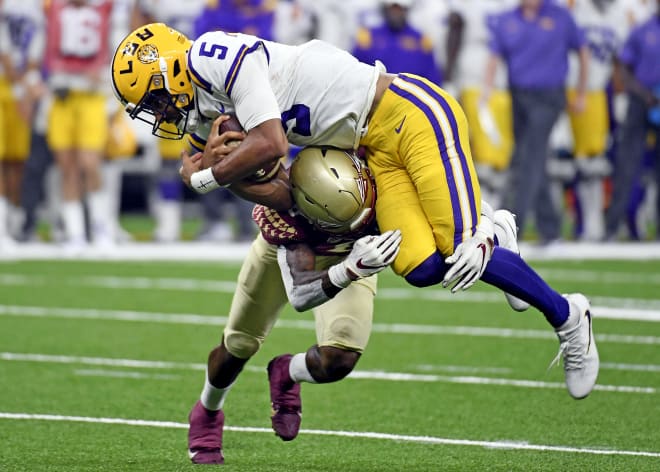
[590, 193]
[298, 370]
[74, 220]
[16, 219]
[213, 398]
[99, 215]
[510, 273]
[168, 220]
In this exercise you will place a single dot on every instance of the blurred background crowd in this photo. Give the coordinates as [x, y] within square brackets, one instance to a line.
[562, 98]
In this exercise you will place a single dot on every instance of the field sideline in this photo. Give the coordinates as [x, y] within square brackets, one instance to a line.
[101, 361]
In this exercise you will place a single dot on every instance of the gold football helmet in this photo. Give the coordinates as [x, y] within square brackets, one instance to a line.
[333, 189]
[150, 78]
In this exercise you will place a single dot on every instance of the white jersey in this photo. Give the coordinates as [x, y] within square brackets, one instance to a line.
[638, 11]
[605, 31]
[178, 14]
[474, 53]
[23, 34]
[321, 93]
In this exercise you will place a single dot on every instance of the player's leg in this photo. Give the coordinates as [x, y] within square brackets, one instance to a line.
[491, 139]
[91, 142]
[17, 150]
[343, 325]
[256, 304]
[60, 136]
[450, 210]
[591, 131]
[168, 209]
[6, 243]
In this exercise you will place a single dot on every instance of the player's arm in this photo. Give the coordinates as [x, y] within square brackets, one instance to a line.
[248, 86]
[271, 191]
[275, 193]
[307, 287]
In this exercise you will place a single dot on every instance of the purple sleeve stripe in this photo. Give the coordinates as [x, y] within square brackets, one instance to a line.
[236, 65]
[198, 79]
[433, 92]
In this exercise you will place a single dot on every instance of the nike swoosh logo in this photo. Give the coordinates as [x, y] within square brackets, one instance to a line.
[587, 314]
[482, 246]
[398, 130]
[362, 265]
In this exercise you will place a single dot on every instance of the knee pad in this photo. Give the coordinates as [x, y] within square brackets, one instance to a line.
[429, 272]
[241, 345]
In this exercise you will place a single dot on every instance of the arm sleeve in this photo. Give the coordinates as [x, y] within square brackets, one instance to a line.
[302, 297]
[251, 91]
[576, 36]
[235, 66]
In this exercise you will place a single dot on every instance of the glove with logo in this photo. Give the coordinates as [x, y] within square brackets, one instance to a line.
[370, 255]
[471, 256]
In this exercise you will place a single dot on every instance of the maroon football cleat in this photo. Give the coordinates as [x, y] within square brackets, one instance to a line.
[285, 398]
[205, 435]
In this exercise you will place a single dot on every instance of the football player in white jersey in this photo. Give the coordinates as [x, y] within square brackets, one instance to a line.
[22, 44]
[604, 29]
[414, 134]
[491, 133]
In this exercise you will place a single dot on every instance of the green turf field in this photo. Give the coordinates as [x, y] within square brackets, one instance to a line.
[447, 382]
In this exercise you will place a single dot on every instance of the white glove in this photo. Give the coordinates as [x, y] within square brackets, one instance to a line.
[471, 257]
[370, 255]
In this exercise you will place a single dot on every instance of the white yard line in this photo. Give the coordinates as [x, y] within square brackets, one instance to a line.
[123, 374]
[630, 367]
[505, 445]
[219, 321]
[613, 304]
[358, 374]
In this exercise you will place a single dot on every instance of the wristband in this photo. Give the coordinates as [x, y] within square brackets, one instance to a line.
[203, 181]
[339, 276]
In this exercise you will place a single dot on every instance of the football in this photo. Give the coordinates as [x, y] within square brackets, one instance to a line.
[232, 124]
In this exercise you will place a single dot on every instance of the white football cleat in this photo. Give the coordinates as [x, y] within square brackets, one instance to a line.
[578, 348]
[507, 235]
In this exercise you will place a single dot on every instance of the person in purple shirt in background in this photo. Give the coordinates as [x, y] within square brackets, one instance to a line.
[640, 70]
[534, 41]
[397, 44]
[256, 17]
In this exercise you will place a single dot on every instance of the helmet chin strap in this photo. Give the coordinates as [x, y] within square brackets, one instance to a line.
[189, 124]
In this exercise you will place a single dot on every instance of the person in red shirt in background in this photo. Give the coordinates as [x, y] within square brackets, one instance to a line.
[77, 60]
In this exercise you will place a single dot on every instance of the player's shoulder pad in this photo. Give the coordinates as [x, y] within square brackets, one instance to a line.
[277, 227]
